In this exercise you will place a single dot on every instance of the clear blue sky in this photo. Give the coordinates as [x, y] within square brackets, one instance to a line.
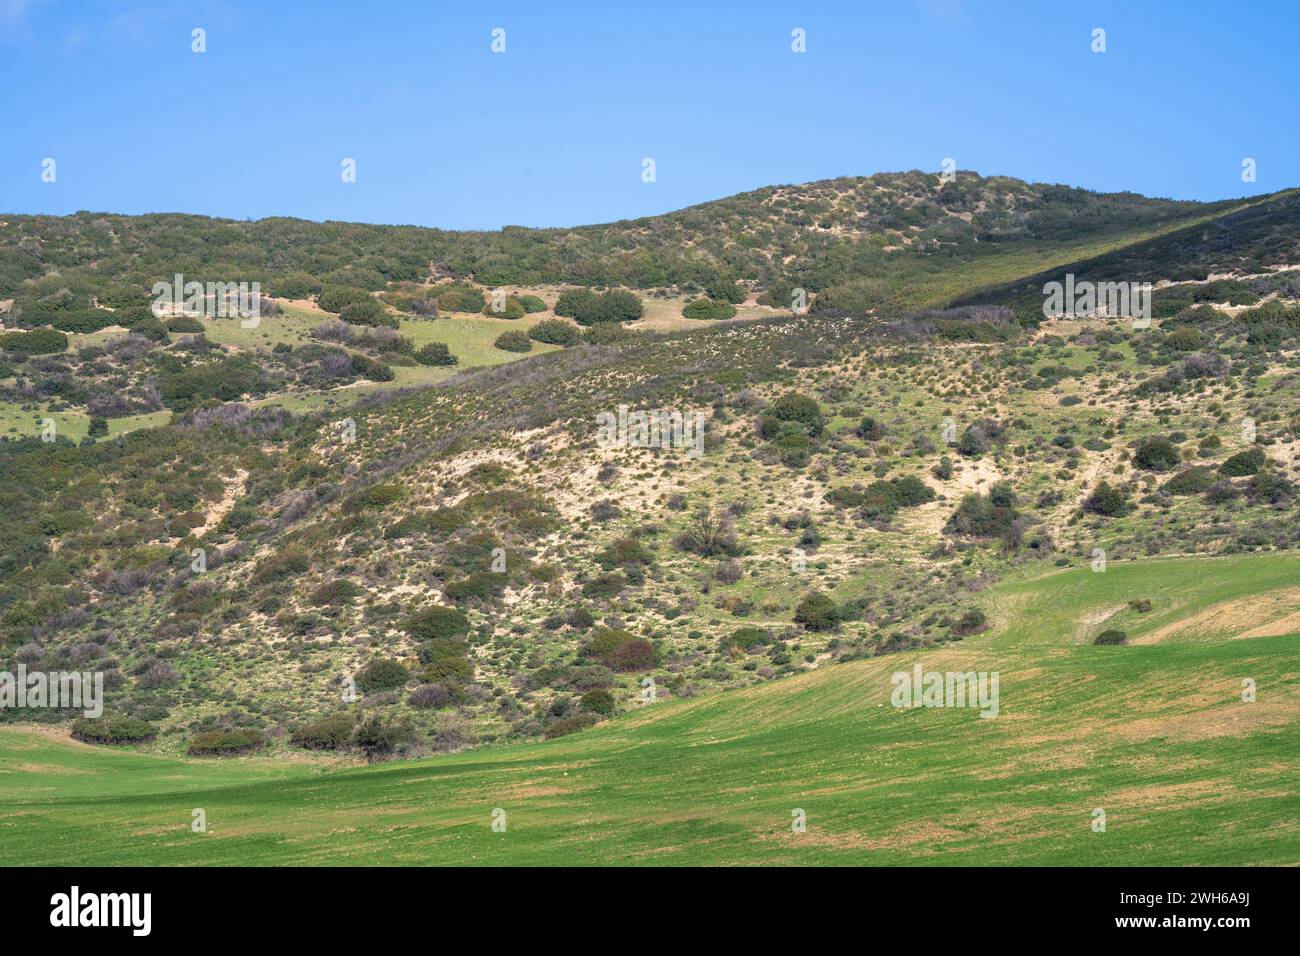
[552, 132]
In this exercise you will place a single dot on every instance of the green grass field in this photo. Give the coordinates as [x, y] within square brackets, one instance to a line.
[1156, 735]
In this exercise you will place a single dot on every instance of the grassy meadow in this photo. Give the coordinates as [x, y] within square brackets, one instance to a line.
[1156, 735]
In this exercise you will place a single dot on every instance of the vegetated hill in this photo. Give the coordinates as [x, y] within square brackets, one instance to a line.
[865, 241]
[440, 567]
[1099, 755]
[478, 564]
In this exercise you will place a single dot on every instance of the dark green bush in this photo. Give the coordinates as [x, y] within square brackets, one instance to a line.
[113, 730]
[382, 674]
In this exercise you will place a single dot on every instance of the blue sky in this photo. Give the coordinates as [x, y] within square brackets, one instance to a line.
[553, 131]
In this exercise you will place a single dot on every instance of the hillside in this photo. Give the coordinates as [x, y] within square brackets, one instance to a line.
[1155, 735]
[315, 534]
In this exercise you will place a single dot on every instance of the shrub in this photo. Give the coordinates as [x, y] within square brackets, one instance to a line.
[607, 333]
[1156, 454]
[183, 324]
[336, 298]
[1243, 463]
[35, 342]
[570, 725]
[793, 407]
[532, 303]
[635, 655]
[436, 622]
[1190, 481]
[574, 301]
[986, 516]
[1111, 637]
[338, 591]
[709, 534]
[514, 341]
[282, 565]
[972, 622]
[555, 332]
[113, 730]
[376, 737]
[376, 497]
[747, 638]
[605, 585]
[435, 353]
[382, 674]
[479, 586]
[431, 697]
[598, 702]
[1108, 501]
[711, 310]
[212, 743]
[330, 733]
[871, 430]
[588, 308]
[817, 612]
[509, 308]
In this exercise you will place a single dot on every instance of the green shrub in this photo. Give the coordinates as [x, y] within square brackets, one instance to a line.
[435, 353]
[511, 308]
[1156, 454]
[330, 733]
[711, 310]
[1190, 481]
[793, 407]
[598, 702]
[514, 341]
[747, 638]
[972, 622]
[1111, 637]
[336, 298]
[532, 303]
[570, 725]
[817, 612]
[113, 730]
[282, 565]
[1108, 501]
[338, 591]
[436, 622]
[376, 497]
[382, 674]
[479, 586]
[555, 332]
[35, 342]
[1243, 463]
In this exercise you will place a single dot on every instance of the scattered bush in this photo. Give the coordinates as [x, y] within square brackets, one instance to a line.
[216, 743]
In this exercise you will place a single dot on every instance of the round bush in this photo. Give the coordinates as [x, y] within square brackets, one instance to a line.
[555, 332]
[711, 310]
[514, 341]
[382, 674]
